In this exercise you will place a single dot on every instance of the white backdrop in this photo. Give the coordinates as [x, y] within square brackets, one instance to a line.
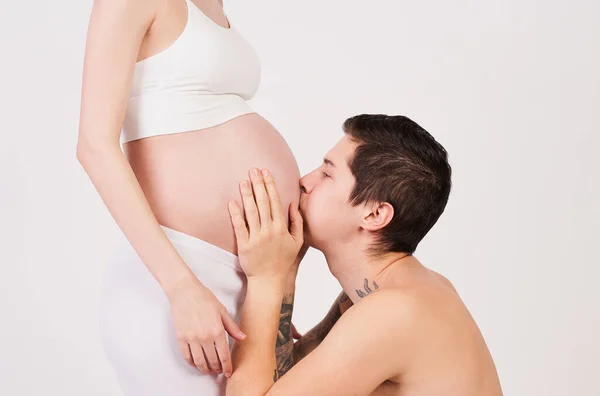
[511, 88]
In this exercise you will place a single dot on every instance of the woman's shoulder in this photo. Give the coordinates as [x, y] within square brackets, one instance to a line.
[142, 9]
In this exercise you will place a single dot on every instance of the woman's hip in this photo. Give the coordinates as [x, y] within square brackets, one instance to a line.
[136, 323]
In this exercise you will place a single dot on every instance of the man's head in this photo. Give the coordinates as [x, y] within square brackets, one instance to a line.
[387, 181]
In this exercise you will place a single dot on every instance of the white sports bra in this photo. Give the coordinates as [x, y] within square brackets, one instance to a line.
[201, 80]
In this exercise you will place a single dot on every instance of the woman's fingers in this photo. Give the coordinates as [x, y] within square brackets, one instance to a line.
[231, 327]
[276, 209]
[222, 344]
[261, 198]
[199, 359]
[214, 364]
[186, 353]
[222, 349]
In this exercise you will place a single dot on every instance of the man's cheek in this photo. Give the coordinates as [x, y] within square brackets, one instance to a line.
[316, 215]
[322, 209]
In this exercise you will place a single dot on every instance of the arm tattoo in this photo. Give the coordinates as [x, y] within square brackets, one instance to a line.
[343, 298]
[316, 335]
[288, 353]
[284, 347]
[368, 290]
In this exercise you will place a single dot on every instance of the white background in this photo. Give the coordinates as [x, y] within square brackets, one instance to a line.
[511, 88]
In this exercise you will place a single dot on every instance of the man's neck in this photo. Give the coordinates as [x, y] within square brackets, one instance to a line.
[360, 275]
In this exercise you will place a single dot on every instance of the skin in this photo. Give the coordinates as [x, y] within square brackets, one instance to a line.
[165, 179]
[407, 331]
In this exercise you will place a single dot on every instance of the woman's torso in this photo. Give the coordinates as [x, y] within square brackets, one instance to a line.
[189, 177]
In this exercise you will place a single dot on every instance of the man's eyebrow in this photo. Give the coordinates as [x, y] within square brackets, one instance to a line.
[329, 162]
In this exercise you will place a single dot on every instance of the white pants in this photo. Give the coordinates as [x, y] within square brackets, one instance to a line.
[137, 326]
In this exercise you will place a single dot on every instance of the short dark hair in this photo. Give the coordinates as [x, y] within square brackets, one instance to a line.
[399, 162]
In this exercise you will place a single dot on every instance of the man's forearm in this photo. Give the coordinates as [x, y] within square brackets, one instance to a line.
[317, 334]
[284, 350]
[289, 353]
[254, 358]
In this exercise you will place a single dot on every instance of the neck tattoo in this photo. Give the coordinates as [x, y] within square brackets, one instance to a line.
[367, 289]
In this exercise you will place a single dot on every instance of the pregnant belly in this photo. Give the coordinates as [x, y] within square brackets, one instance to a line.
[188, 178]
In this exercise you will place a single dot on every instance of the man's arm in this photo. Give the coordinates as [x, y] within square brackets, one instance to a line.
[289, 353]
[284, 347]
[317, 334]
[359, 353]
[254, 358]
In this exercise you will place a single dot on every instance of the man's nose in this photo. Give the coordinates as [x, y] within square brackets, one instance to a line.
[304, 186]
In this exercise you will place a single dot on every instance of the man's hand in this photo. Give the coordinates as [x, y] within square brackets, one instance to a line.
[266, 248]
[290, 282]
[295, 333]
[300, 256]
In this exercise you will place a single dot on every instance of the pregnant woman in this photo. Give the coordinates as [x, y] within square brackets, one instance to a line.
[165, 135]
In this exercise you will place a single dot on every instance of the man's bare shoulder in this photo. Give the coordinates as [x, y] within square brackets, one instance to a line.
[409, 295]
[399, 299]
[410, 309]
[418, 324]
[393, 309]
[369, 332]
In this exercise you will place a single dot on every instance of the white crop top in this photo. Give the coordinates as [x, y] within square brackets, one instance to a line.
[201, 80]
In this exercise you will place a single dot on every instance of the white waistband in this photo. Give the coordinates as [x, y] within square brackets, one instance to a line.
[207, 249]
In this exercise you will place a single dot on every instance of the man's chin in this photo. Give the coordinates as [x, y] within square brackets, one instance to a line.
[309, 242]
[307, 238]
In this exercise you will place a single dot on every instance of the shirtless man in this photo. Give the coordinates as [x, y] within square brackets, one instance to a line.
[398, 328]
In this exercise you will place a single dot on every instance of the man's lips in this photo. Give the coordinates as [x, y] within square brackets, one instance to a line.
[301, 206]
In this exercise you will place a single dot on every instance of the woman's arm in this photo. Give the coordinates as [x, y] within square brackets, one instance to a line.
[114, 37]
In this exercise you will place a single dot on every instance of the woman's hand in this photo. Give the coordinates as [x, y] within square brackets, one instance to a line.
[201, 322]
[266, 248]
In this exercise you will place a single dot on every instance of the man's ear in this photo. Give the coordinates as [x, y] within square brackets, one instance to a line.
[377, 216]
